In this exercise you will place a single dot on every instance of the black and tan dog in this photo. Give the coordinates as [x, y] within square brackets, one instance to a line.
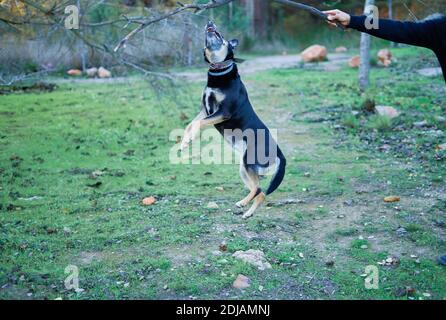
[225, 105]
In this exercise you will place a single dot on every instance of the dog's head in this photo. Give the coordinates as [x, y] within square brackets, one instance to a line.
[217, 49]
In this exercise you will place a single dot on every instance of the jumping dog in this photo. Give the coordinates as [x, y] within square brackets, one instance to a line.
[225, 105]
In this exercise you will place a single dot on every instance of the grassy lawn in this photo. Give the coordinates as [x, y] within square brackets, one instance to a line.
[76, 163]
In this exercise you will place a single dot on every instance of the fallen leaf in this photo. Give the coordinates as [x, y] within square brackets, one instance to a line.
[392, 199]
[212, 205]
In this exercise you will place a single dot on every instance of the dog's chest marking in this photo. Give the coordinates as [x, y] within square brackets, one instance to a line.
[217, 55]
[212, 98]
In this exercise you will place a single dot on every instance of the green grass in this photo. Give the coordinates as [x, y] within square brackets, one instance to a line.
[52, 217]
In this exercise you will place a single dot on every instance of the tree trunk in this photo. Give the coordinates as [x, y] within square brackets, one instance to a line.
[261, 18]
[390, 5]
[250, 13]
[364, 67]
[83, 48]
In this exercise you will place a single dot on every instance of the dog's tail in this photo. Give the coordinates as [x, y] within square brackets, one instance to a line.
[279, 174]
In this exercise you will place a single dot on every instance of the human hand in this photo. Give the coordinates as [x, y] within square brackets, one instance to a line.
[337, 16]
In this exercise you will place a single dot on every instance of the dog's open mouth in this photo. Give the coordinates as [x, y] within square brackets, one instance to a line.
[212, 31]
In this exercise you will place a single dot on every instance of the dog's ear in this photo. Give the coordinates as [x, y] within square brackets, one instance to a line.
[234, 43]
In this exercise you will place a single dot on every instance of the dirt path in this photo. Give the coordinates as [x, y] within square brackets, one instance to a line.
[251, 66]
[272, 62]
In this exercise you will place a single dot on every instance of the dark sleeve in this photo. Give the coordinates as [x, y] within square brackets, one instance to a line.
[422, 34]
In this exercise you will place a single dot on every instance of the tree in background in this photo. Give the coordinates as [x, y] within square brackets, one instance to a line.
[364, 67]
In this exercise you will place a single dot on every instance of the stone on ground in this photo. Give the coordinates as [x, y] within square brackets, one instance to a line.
[74, 72]
[355, 62]
[387, 111]
[241, 282]
[254, 257]
[341, 49]
[314, 53]
[385, 57]
[91, 72]
[104, 73]
[212, 205]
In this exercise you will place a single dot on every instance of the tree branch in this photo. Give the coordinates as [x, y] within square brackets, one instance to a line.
[182, 7]
[312, 10]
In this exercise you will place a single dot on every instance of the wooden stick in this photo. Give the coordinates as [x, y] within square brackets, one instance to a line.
[315, 12]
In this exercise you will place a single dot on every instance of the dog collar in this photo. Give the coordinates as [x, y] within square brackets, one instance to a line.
[221, 66]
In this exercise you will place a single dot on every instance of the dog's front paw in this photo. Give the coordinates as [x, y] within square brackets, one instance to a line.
[248, 214]
[241, 204]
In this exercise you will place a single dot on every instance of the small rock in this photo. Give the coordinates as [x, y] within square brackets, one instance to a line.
[149, 201]
[301, 255]
[385, 57]
[364, 246]
[355, 62]
[441, 147]
[254, 257]
[67, 230]
[241, 282]
[223, 247]
[307, 174]
[387, 111]
[314, 53]
[91, 72]
[212, 205]
[390, 261]
[341, 49]
[104, 73]
[74, 72]
[221, 189]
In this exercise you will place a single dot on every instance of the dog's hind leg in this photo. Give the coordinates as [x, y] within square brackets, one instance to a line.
[251, 181]
[258, 200]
